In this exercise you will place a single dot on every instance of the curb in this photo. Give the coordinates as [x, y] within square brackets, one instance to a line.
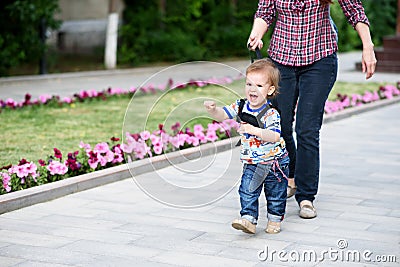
[43, 193]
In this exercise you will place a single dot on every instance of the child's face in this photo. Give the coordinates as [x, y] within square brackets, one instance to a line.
[258, 89]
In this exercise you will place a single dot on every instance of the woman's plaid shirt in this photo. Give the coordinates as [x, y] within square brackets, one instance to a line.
[304, 32]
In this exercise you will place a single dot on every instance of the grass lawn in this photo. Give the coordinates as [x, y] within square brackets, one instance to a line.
[33, 132]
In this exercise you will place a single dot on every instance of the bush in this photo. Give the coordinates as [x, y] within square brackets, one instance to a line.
[19, 30]
[211, 29]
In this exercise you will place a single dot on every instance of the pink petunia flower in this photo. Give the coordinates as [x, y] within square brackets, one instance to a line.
[193, 140]
[174, 140]
[198, 128]
[6, 181]
[165, 138]
[44, 98]
[93, 160]
[158, 149]
[145, 135]
[211, 136]
[141, 150]
[101, 147]
[67, 100]
[86, 147]
[56, 167]
[118, 155]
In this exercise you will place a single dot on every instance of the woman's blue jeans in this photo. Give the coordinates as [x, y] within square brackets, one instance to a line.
[307, 87]
[275, 185]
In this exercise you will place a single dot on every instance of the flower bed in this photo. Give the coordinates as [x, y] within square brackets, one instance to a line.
[103, 155]
[85, 95]
[355, 100]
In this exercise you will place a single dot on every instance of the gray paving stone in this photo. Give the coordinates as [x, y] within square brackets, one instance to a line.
[395, 213]
[203, 226]
[161, 232]
[138, 218]
[115, 250]
[40, 264]
[48, 255]
[106, 236]
[317, 238]
[368, 218]
[240, 253]
[392, 228]
[24, 238]
[23, 214]
[356, 234]
[27, 226]
[9, 261]
[259, 241]
[358, 208]
[188, 259]
[339, 200]
[88, 223]
[334, 223]
[188, 246]
[387, 202]
[295, 226]
[347, 263]
[181, 214]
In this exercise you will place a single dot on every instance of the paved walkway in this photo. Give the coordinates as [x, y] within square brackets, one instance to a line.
[125, 224]
[119, 225]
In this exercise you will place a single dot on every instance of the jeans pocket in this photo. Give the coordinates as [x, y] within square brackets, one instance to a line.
[259, 176]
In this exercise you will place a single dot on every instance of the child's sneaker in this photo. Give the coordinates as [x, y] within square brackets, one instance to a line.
[273, 227]
[244, 225]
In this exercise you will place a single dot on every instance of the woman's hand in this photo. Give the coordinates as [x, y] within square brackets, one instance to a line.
[254, 42]
[368, 62]
[257, 32]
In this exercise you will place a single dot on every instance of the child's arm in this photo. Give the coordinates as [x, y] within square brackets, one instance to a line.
[265, 134]
[216, 112]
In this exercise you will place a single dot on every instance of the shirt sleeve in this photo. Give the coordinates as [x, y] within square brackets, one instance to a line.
[266, 11]
[354, 11]
[232, 109]
[272, 120]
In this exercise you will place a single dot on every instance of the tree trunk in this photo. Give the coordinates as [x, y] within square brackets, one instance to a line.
[162, 7]
[398, 19]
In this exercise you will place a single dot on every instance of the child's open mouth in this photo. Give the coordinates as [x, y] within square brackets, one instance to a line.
[253, 97]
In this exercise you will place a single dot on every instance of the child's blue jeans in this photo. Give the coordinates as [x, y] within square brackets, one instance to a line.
[275, 185]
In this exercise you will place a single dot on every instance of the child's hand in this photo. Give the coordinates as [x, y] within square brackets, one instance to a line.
[246, 128]
[210, 105]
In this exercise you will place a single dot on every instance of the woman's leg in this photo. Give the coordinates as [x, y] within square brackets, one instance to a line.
[315, 83]
[286, 103]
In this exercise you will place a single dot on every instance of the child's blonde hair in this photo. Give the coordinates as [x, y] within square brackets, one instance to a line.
[268, 67]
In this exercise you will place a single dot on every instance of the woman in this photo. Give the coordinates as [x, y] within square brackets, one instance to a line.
[303, 46]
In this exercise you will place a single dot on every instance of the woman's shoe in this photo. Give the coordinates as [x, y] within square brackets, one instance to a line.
[307, 210]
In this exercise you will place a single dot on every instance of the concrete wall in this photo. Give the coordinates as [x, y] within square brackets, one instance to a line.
[87, 9]
[84, 24]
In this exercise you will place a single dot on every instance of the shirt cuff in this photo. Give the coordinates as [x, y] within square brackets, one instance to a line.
[227, 113]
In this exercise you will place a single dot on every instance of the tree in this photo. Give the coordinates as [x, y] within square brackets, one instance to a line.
[19, 30]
